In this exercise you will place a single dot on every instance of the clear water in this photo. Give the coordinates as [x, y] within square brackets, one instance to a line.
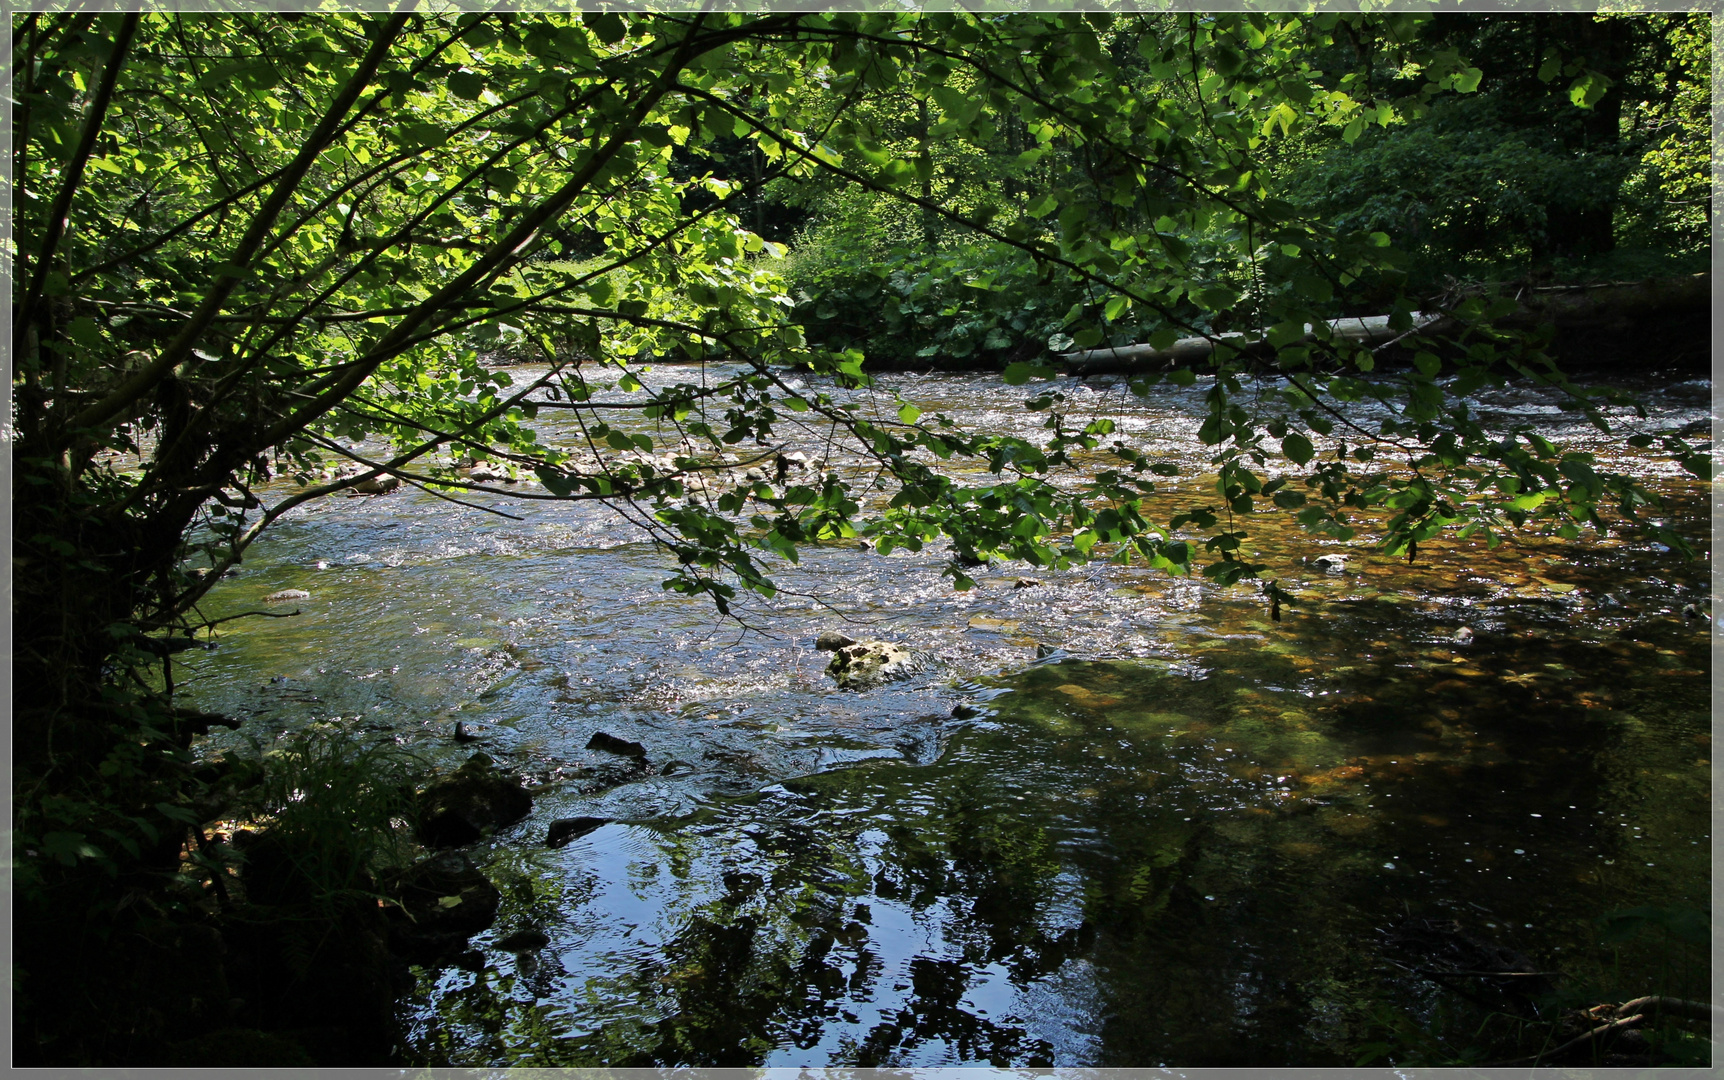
[1178, 839]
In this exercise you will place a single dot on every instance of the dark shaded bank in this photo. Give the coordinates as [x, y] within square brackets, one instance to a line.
[1656, 326]
[283, 939]
[1663, 324]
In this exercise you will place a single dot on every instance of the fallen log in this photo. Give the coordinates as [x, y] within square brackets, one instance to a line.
[1361, 330]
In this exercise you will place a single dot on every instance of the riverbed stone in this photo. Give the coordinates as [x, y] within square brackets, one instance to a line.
[832, 641]
[477, 798]
[869, 663]
[610, 744]
[285, 595]
[1331, 563]
[377, 485]
[565, 831]
[525, 939]
[443, 900]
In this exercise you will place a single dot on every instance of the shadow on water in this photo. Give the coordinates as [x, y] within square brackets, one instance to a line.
[1192, 836]
[1115, 863]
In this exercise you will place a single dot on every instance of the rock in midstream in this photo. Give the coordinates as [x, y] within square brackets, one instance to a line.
[867, 664]
[610, 744]
[377, 485]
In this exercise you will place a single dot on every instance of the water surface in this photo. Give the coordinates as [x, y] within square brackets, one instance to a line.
[1128, 819]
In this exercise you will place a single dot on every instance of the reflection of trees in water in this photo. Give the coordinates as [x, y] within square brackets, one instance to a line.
[786, 952]
[1251, 934]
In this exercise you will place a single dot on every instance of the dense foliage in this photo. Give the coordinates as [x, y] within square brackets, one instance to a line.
[246, 242]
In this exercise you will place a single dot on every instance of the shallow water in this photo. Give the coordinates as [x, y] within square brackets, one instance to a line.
[1179, 839]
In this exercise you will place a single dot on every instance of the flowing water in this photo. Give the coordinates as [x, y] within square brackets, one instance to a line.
[1128, 819]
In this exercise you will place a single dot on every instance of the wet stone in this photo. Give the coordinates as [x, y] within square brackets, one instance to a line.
[524, 940]
[471, 960]
[377, 485]
[832, 641]
[869, 663]
[610, 744]
[478, 798]
[443, 901]
[567, 830]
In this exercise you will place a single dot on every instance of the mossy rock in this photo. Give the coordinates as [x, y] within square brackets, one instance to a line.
[475, 800]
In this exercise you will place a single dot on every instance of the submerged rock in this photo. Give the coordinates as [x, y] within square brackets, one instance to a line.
[1333, 564]
[867, 664]
[443, 901]
[461, 808]
[565, 831]
[285, 595]
[523, 940]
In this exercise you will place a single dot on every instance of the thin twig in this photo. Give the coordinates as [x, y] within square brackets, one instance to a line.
[244, 614]
[1602, 1029]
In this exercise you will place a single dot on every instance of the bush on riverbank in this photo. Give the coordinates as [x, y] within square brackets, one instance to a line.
[259, 939]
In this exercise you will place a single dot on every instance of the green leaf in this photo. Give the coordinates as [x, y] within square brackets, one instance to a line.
[1313, 286]
[1297, 448]
[67, 848]
[608, 26]
[466, 85]
[1587, 90]
[1216, 298]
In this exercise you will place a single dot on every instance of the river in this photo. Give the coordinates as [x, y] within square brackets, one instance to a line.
[1127, 820]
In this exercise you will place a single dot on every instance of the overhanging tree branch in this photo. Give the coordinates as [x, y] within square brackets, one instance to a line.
[228, 276]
